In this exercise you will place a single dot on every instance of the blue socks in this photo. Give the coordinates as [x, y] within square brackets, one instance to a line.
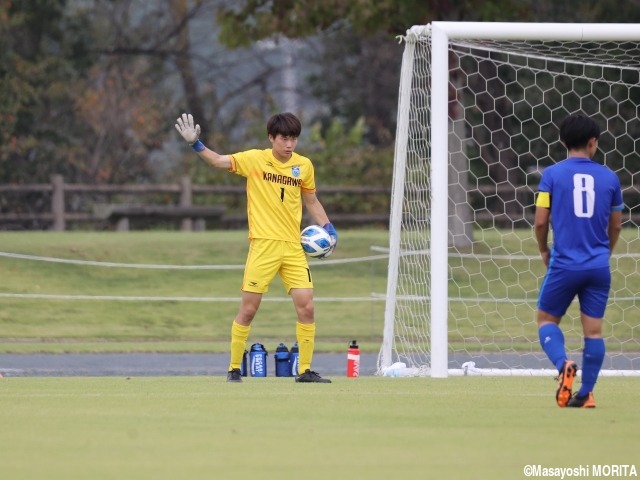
[552, 342]
[592, 358]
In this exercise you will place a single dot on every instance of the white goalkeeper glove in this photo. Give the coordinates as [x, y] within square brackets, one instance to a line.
[187, 129]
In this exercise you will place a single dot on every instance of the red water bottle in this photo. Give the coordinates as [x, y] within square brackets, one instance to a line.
[353, 360]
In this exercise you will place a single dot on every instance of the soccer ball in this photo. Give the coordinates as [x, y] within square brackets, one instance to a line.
[315, 241]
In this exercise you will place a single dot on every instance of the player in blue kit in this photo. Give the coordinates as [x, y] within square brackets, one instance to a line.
[583, 202]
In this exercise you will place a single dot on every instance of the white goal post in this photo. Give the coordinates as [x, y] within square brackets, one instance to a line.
[478, 109]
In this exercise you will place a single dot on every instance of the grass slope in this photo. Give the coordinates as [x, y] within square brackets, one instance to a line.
[480, 320]
[71, 325]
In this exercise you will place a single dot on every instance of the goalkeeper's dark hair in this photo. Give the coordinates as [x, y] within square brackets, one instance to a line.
[285, 124]
[576, 130]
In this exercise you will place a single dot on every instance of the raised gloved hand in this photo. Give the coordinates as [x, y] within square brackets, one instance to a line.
[334, 238]
[187, 129]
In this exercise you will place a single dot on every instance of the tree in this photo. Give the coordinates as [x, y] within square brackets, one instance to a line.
[185, 68]
[359, 65]
[358, 79]
[256, 19]
[123, 103]
[41, 64]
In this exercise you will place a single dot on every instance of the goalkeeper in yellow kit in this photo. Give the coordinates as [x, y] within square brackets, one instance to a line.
[278, 181]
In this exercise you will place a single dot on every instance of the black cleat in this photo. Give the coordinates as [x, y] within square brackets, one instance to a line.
[582, 402]
[234, 375]
[311, 377]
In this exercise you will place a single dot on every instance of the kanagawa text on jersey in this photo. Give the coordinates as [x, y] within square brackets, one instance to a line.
[281, 179]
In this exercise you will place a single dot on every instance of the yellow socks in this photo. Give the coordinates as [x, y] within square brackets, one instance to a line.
[239, 336]
[305, 334]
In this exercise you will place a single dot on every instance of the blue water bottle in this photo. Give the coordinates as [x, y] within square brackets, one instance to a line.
[281, 358]
[293, 361]
[243, 365]
[258, 360]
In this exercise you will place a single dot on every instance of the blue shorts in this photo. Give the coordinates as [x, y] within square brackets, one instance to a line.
[560, 287]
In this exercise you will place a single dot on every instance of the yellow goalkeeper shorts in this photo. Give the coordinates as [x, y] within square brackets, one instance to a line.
[268, 257]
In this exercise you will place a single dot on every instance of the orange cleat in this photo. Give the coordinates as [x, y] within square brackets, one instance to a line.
[565, 381]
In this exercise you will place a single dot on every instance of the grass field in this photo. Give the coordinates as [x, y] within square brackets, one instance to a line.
[367, 428]
[201, 427]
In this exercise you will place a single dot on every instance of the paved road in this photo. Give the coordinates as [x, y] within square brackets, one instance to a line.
[167, 364]
[151, 364]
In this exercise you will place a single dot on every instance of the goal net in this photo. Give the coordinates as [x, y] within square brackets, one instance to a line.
[479, 106]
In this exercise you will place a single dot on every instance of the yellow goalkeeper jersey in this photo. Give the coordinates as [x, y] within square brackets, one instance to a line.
[274, 192]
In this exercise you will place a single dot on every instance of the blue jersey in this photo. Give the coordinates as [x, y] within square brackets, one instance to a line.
[583, 194]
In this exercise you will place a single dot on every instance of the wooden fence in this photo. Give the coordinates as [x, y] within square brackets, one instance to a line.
[117, 215]
[502, 205]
